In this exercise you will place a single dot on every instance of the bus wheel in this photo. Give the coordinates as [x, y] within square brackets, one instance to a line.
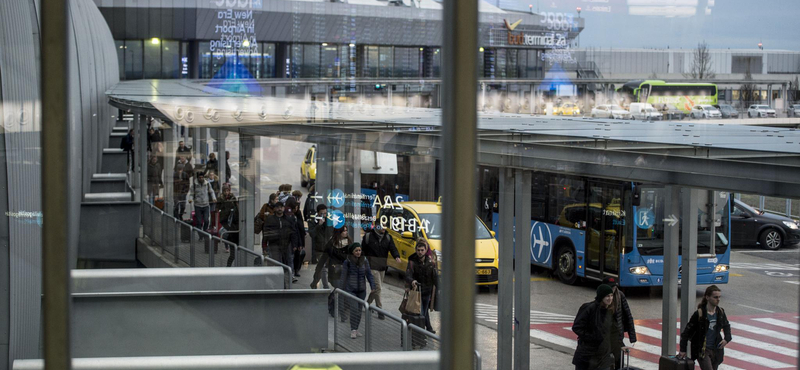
[566, 265]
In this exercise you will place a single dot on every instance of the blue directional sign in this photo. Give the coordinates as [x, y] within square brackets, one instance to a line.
[336, 198]
[541, 243]
[336, 219]
[645, 218]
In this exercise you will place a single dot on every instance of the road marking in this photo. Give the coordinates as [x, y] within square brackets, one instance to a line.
[756, 308]
[765, 266]
[792, 282]
[781, 323]
[569, 343]
[732, 353]
[735, 274]
[541, 279]
[767, 332]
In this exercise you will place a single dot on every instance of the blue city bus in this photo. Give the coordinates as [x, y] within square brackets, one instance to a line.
[593, 228]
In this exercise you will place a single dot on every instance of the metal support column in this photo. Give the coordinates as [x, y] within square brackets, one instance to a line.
[769, 96]
[483, 96]
[505, 283]
[690, 199]
[246, 190]
[352, 185]
[221, 160]
[522, 273]
[168, 158]
[669, 309]
[459, 152]
[144, 160]
[141, 161]
[323, 182]
[55, 196]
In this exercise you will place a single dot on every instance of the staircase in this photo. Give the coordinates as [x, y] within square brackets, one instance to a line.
[109, 209]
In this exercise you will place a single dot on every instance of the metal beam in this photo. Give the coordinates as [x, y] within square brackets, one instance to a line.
[459, 124]
[690, 199]
[669, 300]
[55, 196]
[522, 272]
[505, 283]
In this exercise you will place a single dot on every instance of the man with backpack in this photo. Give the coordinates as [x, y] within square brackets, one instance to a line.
[378, 244]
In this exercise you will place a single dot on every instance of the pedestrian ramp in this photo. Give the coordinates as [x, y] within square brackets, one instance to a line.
[759, 342]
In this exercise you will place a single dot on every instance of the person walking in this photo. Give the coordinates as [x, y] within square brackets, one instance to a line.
[335, 251]
[229, 217]
[212, 163]
[201, 195]
[377, 245]
[593, 325]
[355, 270]
[298, 249]
[708, 346]
[182, 175]
[423, 274]
[280, 233]
[623, 322]
[266, 210]
[320, 233]
[154, 183]
[183, 150]
[127, 145]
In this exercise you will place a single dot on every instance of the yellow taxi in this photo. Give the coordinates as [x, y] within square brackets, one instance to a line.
[568, 109]
[407, 222]
[308, 169]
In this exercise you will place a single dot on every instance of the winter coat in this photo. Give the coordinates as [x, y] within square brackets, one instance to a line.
[301, 230]
[127, 143]
[623, 318]
[424, 271]
[334, 257]
[229, 212]
[354, 273]
[280, 232]
[153, 174]
[182, 176]
[202, 194]
[211, 165]
[697, 328]
[310, 208]
[320, 235]
[589, 326]
[377, 247]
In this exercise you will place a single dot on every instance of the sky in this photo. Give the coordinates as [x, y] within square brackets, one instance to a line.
[723, 24]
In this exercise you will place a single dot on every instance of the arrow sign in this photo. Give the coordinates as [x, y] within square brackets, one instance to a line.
[317, 197]
[671, 221]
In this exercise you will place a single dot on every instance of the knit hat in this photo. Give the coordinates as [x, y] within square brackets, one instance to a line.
[602, 291]
[353, 247]
[610, 281]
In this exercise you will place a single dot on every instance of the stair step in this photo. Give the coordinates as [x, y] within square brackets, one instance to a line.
[109, 176]
[108, 197]
[119, 134]
[113, 151]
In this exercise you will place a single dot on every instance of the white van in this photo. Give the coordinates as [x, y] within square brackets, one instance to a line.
[644, 111]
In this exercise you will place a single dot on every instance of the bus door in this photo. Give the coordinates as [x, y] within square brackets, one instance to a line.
[604, 229]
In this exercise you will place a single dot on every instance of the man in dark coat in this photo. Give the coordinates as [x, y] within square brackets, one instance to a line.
[623, 321]
[280, 232]
[593, 325]
[127, 146]
[377, 245]
[320, 233]
[708, 346]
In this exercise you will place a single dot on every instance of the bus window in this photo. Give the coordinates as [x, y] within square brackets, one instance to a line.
[649, 233]
[567, 202]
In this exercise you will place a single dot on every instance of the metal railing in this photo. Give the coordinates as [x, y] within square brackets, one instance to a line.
[377, 330]
[186, 244]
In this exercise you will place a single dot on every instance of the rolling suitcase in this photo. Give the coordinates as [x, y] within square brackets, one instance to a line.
[675, 363]
[417, 340]
[625, 357]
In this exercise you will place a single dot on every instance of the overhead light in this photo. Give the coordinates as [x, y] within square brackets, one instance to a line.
[421, 49]
[481, 49]
[246, 43]
[121, 46]
[324, 44]
[352, 45]
[155, 41]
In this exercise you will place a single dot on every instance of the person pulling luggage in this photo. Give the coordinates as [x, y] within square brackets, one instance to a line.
[703, 330]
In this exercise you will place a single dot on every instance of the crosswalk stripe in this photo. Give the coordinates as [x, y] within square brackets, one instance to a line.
[569, 343]
[761, 345]
[765, 266]
[732, 353]
[781, 323]
[767, 332]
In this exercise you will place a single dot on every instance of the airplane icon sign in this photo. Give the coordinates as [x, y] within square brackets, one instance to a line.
[541, 243]
[336, 198]
[336, 219]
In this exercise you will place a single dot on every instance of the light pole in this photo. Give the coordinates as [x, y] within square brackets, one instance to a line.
[530, 8]
[760, 46]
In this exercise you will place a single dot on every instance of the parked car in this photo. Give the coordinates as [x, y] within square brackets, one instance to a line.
[567, 109]
[760, 111]
[728, 111]
[750, 226]
[705, 111]
[671, 113]
[794, 110]
[610, 111]
[645, 111]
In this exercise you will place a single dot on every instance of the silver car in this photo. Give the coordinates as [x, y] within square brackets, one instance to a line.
[760, 111]
[794, 110]
[705, 111]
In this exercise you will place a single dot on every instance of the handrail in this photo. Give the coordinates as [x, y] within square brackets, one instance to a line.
[165, 218]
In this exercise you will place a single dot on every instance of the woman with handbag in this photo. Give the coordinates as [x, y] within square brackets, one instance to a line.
[422, 274]
[355, 270]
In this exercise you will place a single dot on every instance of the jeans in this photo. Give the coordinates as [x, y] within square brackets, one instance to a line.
[283, 255]
[321, 272]
[233, 238]
[375, 294]
[355, 309]
[426, 302]
[202, 214]
[709, 361]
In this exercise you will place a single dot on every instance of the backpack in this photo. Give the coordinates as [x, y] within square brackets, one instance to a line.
[259, 224]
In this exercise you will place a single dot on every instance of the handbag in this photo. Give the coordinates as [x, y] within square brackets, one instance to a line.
[414, 303]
